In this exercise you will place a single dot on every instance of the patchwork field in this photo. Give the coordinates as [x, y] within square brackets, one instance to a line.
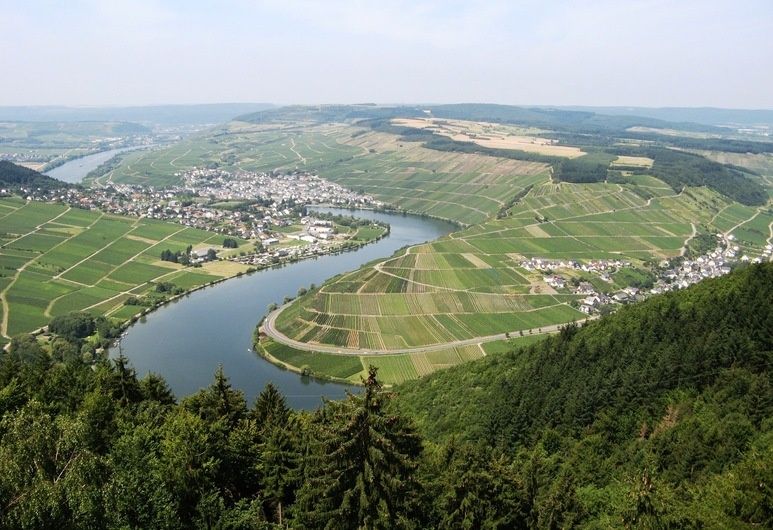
[472, 284]
[493, 135]
[466, 188]
[393, 369]
[55, 259]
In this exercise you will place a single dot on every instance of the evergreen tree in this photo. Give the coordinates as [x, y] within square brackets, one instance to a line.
[219, 401]
[126, 388]
[362, 474]
[280, 469]
[270, 407]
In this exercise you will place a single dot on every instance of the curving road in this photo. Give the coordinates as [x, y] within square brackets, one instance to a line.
[269, 328]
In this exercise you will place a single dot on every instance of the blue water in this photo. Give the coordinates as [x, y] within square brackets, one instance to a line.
[74, 170]
[185, 341]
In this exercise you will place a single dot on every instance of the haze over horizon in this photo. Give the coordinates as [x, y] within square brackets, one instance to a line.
[647, 53]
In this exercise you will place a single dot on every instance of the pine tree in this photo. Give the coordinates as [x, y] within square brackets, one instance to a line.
[280, 468]
[362, 473]
[128, 388]
[219, 401]
[270, 408]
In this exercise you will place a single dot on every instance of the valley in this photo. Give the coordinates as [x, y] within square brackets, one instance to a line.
[473, 292]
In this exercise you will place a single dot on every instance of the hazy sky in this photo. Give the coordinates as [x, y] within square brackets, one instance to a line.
[593, 52]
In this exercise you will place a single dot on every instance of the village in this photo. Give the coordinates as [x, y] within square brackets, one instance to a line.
[268, 209]
[670, 275]
[243, 204]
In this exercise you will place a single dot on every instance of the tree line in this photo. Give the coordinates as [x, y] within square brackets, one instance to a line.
[658, 416]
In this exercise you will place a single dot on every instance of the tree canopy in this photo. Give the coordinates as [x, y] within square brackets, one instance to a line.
[656, 416]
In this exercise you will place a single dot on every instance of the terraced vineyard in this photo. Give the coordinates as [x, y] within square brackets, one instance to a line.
[466, 188]
[55, 259]
[442, 296]
[471, 283]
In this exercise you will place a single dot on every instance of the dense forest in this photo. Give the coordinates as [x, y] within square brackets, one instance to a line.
[667, 404]
[657, 416]
[14, 176]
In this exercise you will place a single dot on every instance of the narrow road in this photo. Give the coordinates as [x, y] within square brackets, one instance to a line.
[6, 307]
[759, 211]
[687, 241]
[172, 162]
[292, 148]
[269, 328]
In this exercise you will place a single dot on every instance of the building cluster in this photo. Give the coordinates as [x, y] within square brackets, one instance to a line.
[26, 157]
[671, 275]
[272, 255]
[603, 267]
[268, 201]
[246, 205]
[299, 187]
[689, 271]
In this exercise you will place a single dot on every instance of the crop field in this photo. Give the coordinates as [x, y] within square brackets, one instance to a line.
[493, 135]
[393, 369]
[471, 284]
[466, 188]
[55, 259]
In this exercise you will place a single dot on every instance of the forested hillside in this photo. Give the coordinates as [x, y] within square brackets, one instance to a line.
[672, 395]
[658, 416]
[14, 176]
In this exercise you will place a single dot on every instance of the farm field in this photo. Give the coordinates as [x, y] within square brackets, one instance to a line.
[472, 283]
[465, 188]
[493, 135]
[55, 259]
[393, 369]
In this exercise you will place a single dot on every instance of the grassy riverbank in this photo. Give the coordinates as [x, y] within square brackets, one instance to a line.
[55, 259]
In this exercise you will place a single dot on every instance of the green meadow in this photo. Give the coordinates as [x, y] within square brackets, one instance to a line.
[55, 259]
[470, 284]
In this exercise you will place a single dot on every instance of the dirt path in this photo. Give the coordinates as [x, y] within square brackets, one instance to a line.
[172, 162]
[743, 222]
[687, 241]
[38, 227]
[4, 293]
[129, 291]
[292, 148]
[68, 269]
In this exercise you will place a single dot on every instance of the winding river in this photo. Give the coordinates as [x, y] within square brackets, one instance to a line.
[187, 339]
[74, 170]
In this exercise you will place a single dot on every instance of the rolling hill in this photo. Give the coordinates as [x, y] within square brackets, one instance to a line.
[674, 392]
[13, 176]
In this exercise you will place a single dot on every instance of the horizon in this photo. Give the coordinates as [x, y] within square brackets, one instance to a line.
[384, 104]
[644, 53]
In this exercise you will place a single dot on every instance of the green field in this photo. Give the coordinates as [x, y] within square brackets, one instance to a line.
[393, 369]
[470, 284]
[460, 187]
[55, 259]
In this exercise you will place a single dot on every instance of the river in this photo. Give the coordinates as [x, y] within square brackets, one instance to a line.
[186, 340]
[74, 170]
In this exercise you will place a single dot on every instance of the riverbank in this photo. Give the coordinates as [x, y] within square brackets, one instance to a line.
[75, 168]
[351, 247]
[186, 340]
[346, 364]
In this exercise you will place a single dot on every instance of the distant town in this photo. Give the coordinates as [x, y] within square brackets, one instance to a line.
[268, 209]
[670, 275]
